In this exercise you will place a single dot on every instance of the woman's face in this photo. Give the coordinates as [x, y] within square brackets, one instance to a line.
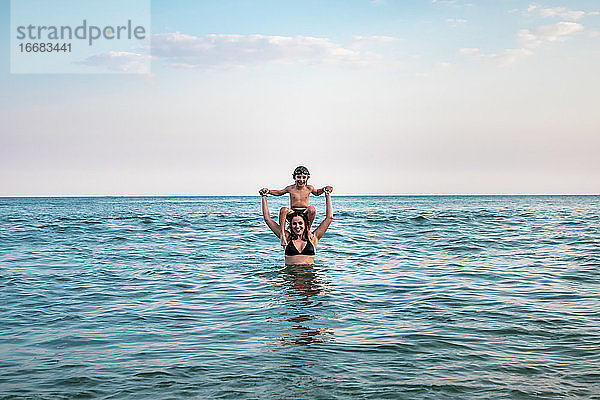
[298, 225]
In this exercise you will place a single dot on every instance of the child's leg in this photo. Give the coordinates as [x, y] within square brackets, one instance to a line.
[311, 212]
[283, 213]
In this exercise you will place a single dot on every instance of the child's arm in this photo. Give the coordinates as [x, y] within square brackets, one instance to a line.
[318, 192]
[276, 192]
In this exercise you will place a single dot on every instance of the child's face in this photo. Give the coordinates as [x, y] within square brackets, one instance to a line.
[301, 179]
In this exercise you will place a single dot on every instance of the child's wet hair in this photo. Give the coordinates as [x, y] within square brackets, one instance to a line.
[300, 170]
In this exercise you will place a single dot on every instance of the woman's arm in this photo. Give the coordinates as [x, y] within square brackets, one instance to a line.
[322, 228]
[269, 221]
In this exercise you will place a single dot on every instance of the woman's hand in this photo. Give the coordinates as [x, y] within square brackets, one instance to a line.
[263, 191]
[328, 189]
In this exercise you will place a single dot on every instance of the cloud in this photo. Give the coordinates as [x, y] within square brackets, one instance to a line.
[452, 3]
[375, 39]
[529, 40]
[562, 13]
[120, 61]
[364, 41]
[558, 32]
[468, 50]
[233, 51]
[558, 12]
[456, 21]
[507, 57]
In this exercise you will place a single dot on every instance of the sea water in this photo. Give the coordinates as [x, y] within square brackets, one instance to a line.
[490, 297]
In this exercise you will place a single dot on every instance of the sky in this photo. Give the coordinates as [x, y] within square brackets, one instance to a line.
[373, 96]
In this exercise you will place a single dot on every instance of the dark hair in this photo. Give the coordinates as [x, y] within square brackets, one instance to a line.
[300, 170]
[305, 219]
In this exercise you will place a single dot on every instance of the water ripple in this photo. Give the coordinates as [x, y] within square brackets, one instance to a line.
[411, 297]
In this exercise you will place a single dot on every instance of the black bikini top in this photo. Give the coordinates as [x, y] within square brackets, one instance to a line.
[291, 250]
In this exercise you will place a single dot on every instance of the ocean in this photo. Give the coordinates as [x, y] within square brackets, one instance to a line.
[410, 297]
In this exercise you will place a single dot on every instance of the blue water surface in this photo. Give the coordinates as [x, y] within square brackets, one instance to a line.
[429, 297]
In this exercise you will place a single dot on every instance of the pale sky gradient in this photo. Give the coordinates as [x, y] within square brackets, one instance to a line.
[374, 97]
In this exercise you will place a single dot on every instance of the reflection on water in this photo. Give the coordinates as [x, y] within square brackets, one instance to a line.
[304, 305]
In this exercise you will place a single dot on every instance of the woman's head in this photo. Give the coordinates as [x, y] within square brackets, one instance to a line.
[298, 224]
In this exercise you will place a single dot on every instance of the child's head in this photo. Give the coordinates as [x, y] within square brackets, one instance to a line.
[301, 175]
[301, 170]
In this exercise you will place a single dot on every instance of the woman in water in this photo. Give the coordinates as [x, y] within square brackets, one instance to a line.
[301, 243]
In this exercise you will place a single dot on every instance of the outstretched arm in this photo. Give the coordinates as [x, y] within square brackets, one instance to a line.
[318, 192]
[267, 217]
[276, 192]
[322, 228]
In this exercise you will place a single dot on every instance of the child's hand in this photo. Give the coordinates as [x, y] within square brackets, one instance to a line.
[263, 191]
[328, 189]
